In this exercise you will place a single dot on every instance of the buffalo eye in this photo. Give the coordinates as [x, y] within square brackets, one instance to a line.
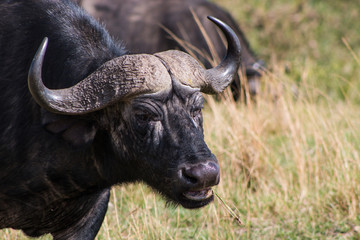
[145, 117]
[196, 114]
[143, 122]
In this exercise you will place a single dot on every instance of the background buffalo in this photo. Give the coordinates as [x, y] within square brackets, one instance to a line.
[148, 26]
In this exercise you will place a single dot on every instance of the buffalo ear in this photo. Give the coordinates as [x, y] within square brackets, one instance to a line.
[77, 132]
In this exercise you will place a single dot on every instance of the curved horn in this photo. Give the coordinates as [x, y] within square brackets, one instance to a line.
[118, 79]
[189, 72]
[222, 75]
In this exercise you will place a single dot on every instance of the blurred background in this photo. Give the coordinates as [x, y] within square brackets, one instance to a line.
[314, 36]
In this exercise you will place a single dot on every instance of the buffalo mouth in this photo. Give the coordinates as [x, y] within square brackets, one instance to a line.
[200, 195]
[196, 198]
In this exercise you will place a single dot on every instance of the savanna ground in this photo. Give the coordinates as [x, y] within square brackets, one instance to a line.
[290, 162]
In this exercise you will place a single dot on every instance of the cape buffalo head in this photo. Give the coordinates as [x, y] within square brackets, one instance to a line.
[148, 114]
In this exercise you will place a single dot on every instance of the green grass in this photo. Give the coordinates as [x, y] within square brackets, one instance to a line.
[290, 163]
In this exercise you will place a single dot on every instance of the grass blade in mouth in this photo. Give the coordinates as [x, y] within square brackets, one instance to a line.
[232, 213]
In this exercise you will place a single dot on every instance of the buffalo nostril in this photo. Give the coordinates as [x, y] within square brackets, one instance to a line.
[190, 177]
[202, 175]
[192, 174]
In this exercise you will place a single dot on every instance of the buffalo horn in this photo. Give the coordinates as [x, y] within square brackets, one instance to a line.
[218, 78]
[118, 79]
[189, 72]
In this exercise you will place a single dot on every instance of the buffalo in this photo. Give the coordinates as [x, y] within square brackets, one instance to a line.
[80, 114]
[149, 26]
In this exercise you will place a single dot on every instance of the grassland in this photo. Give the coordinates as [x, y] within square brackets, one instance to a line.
[290, 162]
